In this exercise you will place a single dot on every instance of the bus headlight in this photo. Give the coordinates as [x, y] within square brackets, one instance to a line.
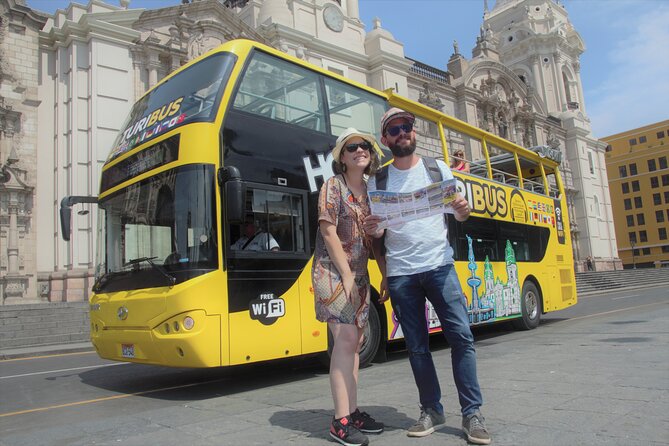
[189, 323]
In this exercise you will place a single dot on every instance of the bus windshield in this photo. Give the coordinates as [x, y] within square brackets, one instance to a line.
[159, 231]
[190, 96]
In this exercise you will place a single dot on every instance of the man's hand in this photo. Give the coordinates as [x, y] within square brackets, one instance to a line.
[461, 208]
[371, 226]
[383, 291]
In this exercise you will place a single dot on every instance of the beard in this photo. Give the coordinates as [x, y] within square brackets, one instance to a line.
[400, 151]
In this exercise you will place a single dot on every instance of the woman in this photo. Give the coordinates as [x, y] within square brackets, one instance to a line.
[458, 161]
[340, 278]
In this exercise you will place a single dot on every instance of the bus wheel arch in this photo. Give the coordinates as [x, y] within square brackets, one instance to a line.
[373, 344]
[531, 305]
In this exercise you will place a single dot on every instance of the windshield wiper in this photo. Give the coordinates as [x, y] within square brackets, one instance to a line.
[106, 277]
[171, 279]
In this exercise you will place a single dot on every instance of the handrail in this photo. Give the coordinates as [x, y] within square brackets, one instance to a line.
[485, 138]
[463, 127]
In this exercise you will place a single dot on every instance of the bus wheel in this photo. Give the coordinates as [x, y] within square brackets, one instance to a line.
[371, 339]
[530, 307]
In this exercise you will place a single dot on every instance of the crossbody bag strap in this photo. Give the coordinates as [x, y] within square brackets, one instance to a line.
[432, 169]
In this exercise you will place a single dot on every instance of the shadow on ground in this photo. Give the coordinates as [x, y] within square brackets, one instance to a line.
[316, 422]
[183, 384]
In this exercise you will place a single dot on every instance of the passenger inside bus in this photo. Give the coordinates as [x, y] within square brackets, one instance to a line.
[254, 238]
[459, 162]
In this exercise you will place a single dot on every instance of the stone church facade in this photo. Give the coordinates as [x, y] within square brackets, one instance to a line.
[64, 98]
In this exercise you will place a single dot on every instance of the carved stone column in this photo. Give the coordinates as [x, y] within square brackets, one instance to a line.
[15, 284]
[353, 9]
[153, 64]
[560, 89]
[579, 85]
[153, 72]
[538, 81]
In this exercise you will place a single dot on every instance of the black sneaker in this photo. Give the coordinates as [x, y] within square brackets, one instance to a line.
[474, 428]
[366, 424]
[343, 431]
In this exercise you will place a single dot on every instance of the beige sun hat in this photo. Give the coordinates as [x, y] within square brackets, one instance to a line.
[350, 133]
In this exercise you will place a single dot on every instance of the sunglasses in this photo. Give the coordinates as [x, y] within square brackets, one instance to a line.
[395, 130]
[354, 146]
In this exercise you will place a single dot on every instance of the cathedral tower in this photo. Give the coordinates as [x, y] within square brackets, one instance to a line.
[538, 42]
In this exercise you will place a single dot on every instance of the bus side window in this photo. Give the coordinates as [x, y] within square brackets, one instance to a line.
[490, 238]
[484, 239]
[277, 213]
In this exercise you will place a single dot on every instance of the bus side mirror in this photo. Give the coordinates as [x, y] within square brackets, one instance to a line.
[230, 178]
[66, 212]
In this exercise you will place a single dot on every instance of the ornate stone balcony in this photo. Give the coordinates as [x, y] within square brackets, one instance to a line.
[429, 72]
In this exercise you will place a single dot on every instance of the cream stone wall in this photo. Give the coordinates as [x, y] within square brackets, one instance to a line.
[88, 85]
[19, 99]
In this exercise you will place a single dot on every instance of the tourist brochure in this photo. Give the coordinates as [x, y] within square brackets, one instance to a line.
[399, 207]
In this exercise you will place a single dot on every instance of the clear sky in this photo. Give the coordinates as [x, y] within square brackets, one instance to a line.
[625, 69]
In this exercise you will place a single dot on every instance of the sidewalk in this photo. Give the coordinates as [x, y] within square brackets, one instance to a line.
[43, 350]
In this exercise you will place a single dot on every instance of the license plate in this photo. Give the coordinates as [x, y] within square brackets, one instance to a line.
[128, 350]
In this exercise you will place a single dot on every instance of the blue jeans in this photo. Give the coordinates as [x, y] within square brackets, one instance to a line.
[442, 289]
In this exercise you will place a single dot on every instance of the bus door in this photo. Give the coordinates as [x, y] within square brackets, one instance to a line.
[265, 257]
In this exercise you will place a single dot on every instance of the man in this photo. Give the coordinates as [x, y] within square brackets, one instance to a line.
[255, 240]
[418, 264]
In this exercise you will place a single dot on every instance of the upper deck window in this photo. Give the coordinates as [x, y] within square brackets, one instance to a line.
[283, 91]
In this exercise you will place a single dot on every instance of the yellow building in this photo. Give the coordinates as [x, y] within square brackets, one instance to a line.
[636, 162]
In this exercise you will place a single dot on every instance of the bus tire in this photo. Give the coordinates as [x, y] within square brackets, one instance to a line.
[530, 308]
[372, 337]
[370, 342]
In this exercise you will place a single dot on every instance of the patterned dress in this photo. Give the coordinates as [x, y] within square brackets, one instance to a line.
[337, 205]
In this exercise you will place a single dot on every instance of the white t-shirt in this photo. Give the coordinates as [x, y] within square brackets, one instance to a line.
[419, 245]
[259, 243]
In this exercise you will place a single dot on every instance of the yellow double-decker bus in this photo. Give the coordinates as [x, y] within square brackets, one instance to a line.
[242, 136]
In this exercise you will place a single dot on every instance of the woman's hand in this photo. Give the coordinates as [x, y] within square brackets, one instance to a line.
[348, 282]
[371, 226]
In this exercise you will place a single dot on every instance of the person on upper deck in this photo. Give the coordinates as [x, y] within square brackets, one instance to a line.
[459, 162]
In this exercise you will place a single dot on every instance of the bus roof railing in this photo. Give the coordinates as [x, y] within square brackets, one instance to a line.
[544, 156]
[468, 129]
